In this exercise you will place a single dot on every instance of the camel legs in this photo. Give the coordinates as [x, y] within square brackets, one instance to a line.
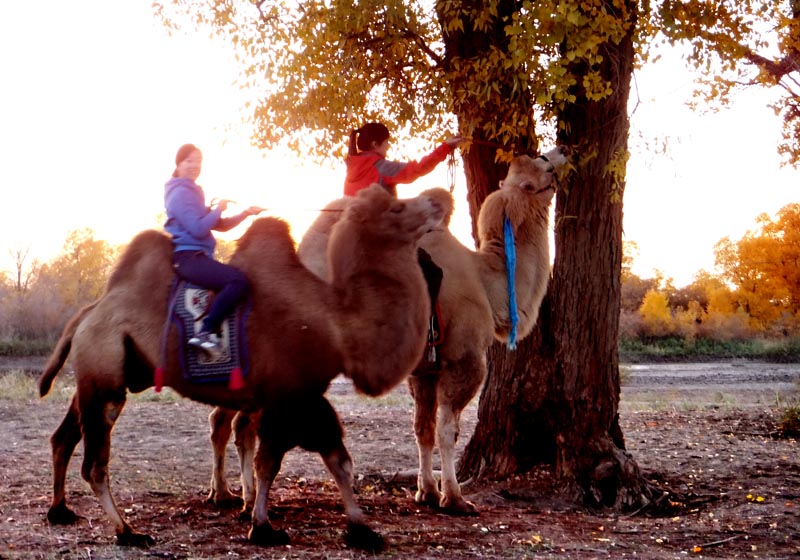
[457, 386]
[447, 430]
[423, 389]
[245, 429]
[244, 426]
[269, 456]
[313, 425]
[63, 442]
[94, 419]
[99, 410]
[444, 395]
[220, 421]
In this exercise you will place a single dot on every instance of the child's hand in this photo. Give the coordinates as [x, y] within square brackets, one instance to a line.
[254, 210]
[454, 141]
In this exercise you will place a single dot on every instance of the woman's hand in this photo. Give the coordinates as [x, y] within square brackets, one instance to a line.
[221, 203]
[454, 141]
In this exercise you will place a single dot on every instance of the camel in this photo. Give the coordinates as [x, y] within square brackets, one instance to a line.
[368, 322]
[474, 303]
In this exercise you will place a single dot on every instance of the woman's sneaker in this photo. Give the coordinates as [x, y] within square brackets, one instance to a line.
[208, 342]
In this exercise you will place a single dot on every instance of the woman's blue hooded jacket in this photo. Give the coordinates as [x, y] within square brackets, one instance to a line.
[190, 221]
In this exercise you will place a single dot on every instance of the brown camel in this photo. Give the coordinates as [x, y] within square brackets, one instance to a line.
[474, 303]
[369, 322]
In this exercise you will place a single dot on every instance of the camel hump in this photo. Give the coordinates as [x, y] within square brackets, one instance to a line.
[269, 229]
[314, 244]
[148, 252]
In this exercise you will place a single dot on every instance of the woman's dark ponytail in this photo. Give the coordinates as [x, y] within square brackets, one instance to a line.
[352, 148]
[364, 138]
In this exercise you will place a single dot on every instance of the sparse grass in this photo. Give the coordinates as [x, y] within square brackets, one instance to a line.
[166, 395]
[20, 385]
[677, 349]
[25, 347]
[790, 421]
[392, 399]
[17, 385]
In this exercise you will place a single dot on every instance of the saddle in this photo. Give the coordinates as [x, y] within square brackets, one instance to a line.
[188, 305]
[433, 278]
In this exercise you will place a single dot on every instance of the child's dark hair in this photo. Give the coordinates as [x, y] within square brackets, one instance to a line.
[361, 139]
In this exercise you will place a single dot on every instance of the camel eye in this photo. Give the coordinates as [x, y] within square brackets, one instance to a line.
[397, 208]
[527, 186]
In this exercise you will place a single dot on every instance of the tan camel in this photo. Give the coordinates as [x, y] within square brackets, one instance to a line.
[369, 322]
[474, 303]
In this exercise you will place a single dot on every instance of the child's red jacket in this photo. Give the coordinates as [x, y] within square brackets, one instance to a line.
[368, 167]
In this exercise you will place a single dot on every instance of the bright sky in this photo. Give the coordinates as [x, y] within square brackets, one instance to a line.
[96, 99]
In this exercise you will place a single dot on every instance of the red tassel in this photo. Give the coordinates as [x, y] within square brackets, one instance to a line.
[236, 381]
[158, 379]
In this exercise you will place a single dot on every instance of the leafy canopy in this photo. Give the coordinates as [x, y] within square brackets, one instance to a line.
[317, 69]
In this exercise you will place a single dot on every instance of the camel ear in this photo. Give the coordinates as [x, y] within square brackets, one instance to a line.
[500, 184]
[355, 211]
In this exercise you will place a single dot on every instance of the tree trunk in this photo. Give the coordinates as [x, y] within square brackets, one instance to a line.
[555, 399]
[468, 45]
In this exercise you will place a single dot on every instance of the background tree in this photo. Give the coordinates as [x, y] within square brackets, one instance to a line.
[753, 43]
[79, 274]
[510, 74]
[655, 311]
[764, 268]
[55, 290]
[24, 269]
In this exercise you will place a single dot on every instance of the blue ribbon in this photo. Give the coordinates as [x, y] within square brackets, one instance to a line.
[511, 267]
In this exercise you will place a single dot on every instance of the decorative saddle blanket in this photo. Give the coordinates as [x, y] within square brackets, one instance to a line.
[189, 304]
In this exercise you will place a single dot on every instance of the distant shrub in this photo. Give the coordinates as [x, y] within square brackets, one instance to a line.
[631, 325]
[26, 347]
[790, 422]
[725, 326]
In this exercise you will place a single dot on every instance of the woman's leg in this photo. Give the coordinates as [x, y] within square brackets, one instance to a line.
[229, 283]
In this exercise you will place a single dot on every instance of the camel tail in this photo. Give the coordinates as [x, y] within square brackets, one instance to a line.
[61, 351]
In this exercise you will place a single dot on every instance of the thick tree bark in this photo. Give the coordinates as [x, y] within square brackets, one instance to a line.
[555, 399]
[514, 431]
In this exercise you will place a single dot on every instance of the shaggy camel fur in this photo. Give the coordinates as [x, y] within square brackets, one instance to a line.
[369, 322]
[474, 303]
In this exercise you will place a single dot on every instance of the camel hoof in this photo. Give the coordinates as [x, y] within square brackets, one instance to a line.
[361, 537]
[138, 540]
[458, 506]
[61, 515]
[266, 535]
[224, 501]
[430, 498]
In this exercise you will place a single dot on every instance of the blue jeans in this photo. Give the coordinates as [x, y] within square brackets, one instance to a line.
[228, 282]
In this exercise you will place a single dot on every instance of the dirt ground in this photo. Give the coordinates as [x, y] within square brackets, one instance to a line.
[704, 433]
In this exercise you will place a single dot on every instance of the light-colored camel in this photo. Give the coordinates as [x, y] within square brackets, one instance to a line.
[474, 303]
[369, 322]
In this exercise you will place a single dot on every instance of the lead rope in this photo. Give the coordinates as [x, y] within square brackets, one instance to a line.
[452, 165]
[511, 267]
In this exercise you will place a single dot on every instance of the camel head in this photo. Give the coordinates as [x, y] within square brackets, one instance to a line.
[376, 225]
[381, 293]
[383, 217]
[535, 175]
[523, 202]
[445, 199]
